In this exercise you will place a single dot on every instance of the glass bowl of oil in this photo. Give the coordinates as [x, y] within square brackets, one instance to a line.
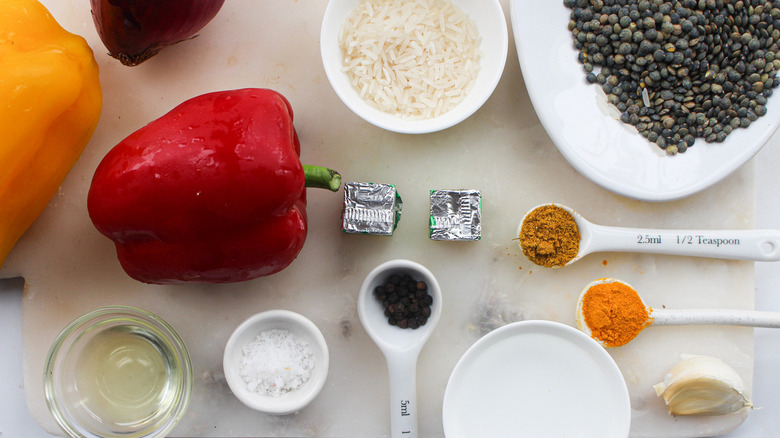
[118, 372]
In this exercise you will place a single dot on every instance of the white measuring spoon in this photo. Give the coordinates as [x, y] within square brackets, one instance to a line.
[660, 317]
[756, 245]
[401, 347]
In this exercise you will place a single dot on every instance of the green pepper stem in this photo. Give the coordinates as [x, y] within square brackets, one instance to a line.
[322, 177]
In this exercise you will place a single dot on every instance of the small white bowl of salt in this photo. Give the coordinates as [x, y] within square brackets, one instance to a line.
[276, 362]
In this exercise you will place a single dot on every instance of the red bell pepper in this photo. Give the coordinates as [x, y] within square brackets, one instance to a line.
[212, 191]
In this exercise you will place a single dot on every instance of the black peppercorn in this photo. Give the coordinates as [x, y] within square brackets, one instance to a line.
[406, 302]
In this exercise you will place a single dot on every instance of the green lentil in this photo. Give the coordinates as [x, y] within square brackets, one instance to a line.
[680, 69]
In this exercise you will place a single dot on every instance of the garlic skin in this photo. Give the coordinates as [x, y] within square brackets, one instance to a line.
[703, 385]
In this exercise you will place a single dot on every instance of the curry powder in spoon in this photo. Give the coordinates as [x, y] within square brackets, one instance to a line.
[549, 236]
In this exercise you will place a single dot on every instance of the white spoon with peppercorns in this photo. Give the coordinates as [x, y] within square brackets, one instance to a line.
[554, 235]
[399, 305]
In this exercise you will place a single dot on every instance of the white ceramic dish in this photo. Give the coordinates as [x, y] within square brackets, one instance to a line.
[491, 24]
[597, 144]
[291, 401]
[536, 378]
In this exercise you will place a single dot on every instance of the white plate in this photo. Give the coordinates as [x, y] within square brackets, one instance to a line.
[534, 379]
[597, 144]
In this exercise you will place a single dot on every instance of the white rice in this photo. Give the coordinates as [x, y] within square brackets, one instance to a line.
[414, 58]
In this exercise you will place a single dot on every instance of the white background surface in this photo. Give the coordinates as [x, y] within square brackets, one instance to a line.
[15, 420]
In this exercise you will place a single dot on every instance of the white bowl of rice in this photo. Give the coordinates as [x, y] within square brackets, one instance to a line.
[414, 66]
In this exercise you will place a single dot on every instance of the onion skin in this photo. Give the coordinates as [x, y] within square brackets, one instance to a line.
[135, 30]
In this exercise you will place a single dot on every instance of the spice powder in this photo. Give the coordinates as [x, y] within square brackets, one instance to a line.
[614, 313]
[549, 236]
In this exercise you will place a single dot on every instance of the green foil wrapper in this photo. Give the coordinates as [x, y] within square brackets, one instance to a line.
[370, 208]
[456, 215]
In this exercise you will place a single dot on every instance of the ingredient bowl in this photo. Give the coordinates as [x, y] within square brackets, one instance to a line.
[488, 17]
[118, 372]
[587, 129]
[276, 362]
[536, 378]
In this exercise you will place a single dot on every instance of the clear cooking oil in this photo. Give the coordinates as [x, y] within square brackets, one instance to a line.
[125, 376]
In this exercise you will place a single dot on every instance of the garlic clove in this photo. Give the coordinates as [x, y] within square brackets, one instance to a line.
[703, 385]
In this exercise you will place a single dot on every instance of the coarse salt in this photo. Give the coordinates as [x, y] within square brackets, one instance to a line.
[276, 362]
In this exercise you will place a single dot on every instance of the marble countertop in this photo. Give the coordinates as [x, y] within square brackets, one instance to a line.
[16, 421]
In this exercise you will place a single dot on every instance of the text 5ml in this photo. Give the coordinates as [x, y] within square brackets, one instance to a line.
[405, 413]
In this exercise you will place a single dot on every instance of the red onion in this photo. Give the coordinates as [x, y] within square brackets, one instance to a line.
[135, 30]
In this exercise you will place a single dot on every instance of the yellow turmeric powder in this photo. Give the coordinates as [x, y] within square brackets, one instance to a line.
[614, 313]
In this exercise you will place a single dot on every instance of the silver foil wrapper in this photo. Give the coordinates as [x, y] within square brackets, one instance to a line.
[370, 208]
[456, 215]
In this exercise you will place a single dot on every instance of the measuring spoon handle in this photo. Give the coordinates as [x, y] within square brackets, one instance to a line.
[402, 369]
[757, 245]
[747, 318]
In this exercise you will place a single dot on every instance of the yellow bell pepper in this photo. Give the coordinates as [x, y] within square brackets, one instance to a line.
[51, 104]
